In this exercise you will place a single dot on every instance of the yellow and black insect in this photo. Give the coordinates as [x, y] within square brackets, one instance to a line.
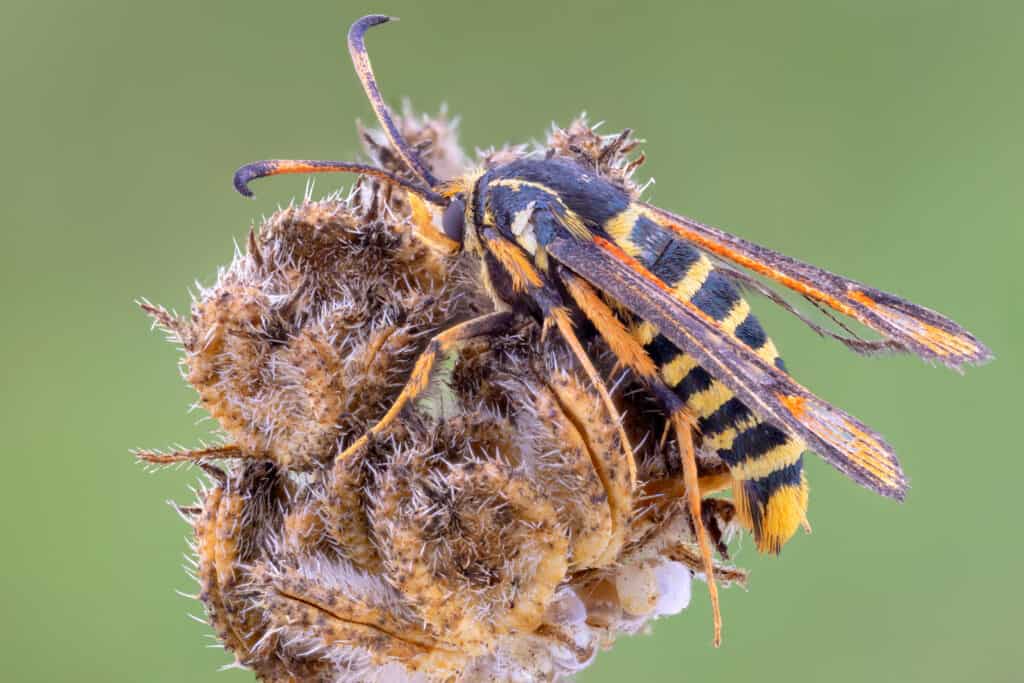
[560, 244]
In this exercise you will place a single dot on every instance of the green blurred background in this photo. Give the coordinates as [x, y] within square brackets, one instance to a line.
[879, 139]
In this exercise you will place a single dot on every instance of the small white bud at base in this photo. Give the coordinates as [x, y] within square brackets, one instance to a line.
[566, 608]
[673, 580]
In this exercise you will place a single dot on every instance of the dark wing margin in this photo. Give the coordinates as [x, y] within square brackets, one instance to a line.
[843, 441]
[915, 328]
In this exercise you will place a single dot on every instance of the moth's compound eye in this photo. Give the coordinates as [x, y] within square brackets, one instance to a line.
[454, 219]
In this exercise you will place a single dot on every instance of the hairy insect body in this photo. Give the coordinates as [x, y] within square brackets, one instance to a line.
[532, 202]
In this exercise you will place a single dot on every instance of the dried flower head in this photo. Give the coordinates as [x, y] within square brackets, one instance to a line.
[490, 534]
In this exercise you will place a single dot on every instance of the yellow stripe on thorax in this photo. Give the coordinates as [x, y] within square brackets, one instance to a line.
[515, 184]
[569, 218]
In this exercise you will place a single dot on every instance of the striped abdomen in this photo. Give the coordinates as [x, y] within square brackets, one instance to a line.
[769, 487]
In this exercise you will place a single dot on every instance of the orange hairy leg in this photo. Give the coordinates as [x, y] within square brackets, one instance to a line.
[426, 230]
[684, 435]
[419, 379]
[526, 278]
[630, 353]
[560, 317]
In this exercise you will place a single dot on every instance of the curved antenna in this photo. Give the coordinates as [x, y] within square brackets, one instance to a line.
[361, 61]
[271, 167]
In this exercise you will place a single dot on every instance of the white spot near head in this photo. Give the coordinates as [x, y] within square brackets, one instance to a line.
[522, 228]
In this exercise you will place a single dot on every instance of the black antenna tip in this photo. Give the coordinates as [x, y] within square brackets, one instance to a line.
[246, 174]
[362, 25]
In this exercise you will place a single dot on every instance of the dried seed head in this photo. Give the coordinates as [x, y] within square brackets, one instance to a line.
[490, 534]
[291, 351]
[472, 527]
[608, 155]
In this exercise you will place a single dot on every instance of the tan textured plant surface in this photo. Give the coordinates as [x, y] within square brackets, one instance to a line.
[490, 535]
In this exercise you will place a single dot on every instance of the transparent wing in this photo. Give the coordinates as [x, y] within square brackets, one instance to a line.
[914, 328]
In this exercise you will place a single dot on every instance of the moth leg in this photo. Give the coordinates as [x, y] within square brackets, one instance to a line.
[718, 479]
[618, 489]
[632, 354]
[709, 482]
[525, 278]
[684, 426]
[419, 379]
[426, 229]
[559, 316]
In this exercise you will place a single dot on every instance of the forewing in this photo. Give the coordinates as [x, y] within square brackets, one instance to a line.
[916, 328]
[839, 438]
